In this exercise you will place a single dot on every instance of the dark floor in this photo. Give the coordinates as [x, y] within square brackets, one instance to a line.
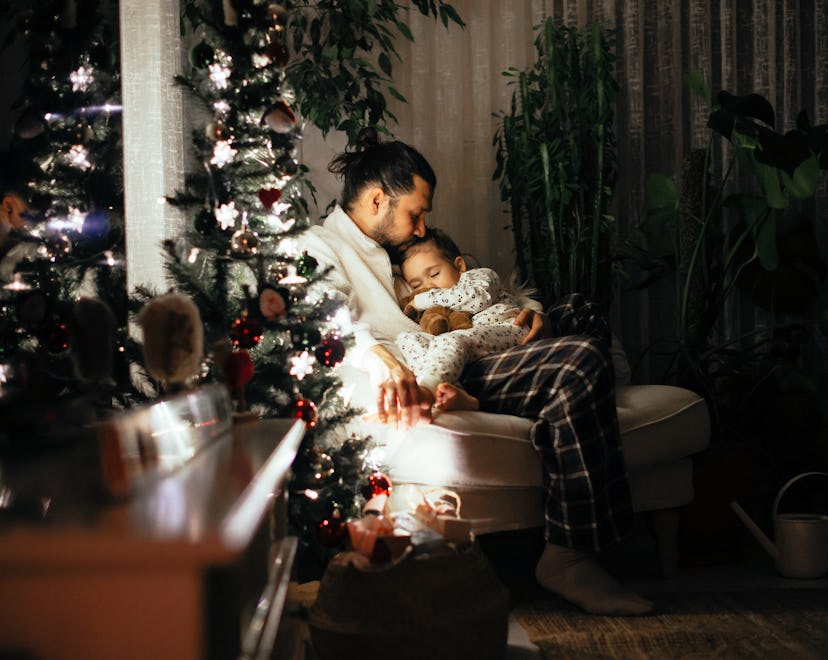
[747, 566]
[635, 563]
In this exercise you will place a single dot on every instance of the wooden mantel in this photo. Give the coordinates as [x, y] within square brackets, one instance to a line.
[177, 569]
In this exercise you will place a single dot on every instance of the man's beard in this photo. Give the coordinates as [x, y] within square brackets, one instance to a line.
[382, 235]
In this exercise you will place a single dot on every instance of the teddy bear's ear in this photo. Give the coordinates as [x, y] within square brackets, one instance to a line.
[411, 312]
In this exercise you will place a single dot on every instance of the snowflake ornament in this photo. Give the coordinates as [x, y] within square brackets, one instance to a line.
[223, 153]
[219, 74]
[226, 215]
[81, 78]
[79, 157]
[302, 365]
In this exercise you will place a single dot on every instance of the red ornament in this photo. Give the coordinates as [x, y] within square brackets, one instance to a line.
[269, 196]
[331, 351]
[306, 410]
[273, 302]
[238, 369]
[245, 332]
[56, 337]
[378, 484]
[331, 531]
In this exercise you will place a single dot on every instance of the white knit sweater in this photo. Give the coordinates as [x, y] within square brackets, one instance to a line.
[361, 270]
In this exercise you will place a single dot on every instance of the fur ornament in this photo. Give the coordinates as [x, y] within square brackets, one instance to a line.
[435, 320]
[173, 338]
[93, 340]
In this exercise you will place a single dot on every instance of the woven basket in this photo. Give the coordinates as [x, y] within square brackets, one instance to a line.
[423, 607]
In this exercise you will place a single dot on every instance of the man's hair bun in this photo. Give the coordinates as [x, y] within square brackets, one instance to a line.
[367, 137]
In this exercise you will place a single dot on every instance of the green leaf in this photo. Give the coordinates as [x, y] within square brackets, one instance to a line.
[405, 30]
[396, 94]
[766, 243]
[769, 180]
[660, 193]
[695, 81]
[385, 64]
[805, 180]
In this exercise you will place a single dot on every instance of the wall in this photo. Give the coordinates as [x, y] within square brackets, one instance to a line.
[453, 82]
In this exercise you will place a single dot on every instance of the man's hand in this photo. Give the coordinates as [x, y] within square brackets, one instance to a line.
[537, 323]
[399, 401]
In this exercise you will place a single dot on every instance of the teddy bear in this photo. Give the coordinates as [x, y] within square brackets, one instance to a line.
[435, 320]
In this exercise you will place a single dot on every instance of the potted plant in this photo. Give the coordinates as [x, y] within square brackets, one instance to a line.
[739, 231]
[556, 162]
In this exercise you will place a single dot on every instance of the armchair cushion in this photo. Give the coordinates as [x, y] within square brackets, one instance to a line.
[491, 462]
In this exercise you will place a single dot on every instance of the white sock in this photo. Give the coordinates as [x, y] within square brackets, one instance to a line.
[575, 576]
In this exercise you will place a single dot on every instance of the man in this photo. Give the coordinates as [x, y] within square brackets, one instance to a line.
[565, 382]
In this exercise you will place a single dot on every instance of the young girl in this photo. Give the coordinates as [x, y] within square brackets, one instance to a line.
[435, 262]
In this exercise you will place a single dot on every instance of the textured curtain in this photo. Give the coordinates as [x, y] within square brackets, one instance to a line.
[452, 80]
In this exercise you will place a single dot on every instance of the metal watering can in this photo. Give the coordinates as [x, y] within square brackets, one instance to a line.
[801, 549]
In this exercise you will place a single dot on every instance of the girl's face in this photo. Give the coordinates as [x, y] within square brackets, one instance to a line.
[428, 268]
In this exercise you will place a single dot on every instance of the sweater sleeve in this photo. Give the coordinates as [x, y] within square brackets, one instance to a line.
[476, 290]
[334, 280]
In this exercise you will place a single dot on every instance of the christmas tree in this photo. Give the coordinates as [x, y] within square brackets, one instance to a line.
[61, 219]
[275, 336]
[268, 336]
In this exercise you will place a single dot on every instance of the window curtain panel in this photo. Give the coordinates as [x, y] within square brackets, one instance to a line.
[453, 82]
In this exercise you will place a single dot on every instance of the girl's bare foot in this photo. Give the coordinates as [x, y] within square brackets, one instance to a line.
[451, 397]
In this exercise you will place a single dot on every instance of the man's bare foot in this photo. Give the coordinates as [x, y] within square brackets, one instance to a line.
[575, 576]
[451, 397]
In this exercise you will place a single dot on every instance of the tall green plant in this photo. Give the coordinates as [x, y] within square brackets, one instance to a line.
[556, 162]
[730, 238]
[742, 232]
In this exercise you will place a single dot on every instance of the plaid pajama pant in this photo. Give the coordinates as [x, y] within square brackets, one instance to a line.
[566, 384]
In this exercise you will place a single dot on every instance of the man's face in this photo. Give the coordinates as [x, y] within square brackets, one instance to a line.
[404, 219]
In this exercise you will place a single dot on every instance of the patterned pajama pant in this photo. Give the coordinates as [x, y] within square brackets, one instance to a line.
[441, 358]
[566, 384]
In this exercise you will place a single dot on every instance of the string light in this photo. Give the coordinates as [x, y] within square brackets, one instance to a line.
[260, 61]
[72, 222]
[17, 284]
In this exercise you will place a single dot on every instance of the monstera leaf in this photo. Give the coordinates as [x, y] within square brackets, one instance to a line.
[789, 279]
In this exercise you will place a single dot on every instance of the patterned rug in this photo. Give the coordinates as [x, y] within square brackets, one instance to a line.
[768, 623]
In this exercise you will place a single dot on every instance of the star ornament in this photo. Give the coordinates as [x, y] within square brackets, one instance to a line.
[226, 215]
[302, 365]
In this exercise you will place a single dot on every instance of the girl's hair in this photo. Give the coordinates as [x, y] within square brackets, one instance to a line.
[390, 165]
[439, 239]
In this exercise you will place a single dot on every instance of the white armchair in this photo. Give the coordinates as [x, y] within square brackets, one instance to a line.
[490, 462]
